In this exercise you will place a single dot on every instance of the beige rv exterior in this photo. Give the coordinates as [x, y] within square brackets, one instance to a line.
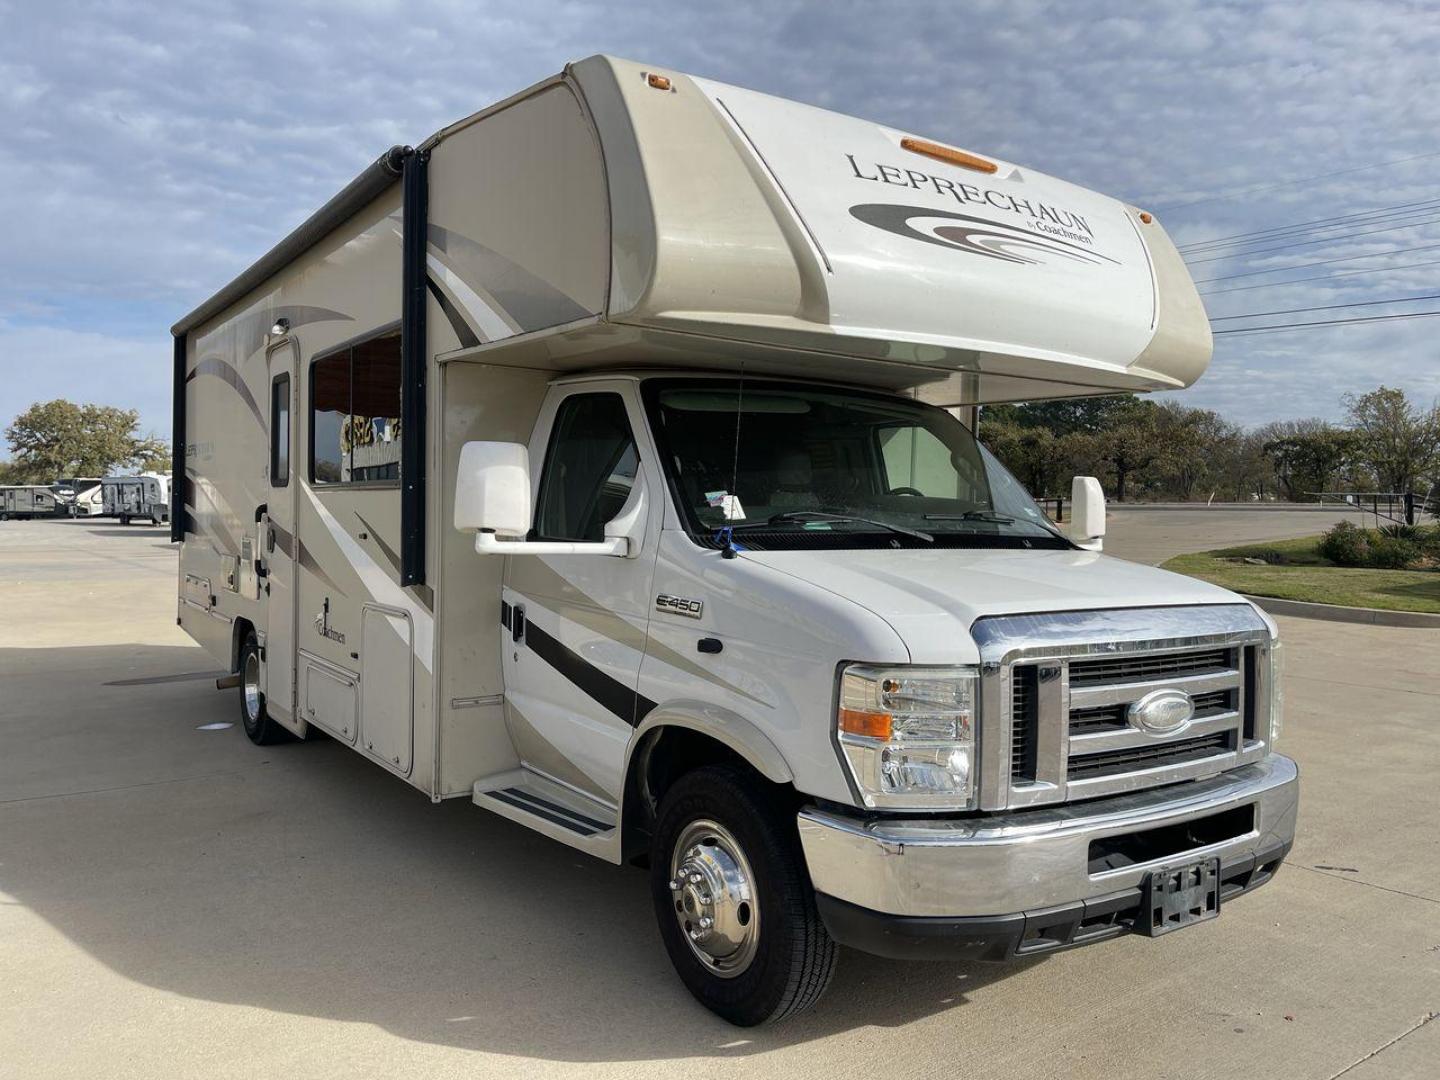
[606, 227]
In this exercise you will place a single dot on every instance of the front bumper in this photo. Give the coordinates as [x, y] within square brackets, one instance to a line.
[1037, 880]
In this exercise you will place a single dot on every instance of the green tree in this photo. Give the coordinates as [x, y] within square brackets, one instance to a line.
[1308, 456]
[59, 438]
[1398, 440]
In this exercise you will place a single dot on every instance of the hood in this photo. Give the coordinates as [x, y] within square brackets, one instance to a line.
[927, 596]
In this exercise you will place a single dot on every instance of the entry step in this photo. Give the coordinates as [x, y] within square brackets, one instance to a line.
[551, 808]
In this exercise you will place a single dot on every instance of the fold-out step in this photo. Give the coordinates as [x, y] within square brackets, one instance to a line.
[551, 808]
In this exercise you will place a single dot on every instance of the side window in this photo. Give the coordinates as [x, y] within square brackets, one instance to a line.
[590, 468]
[329, 408]
[280, 431]
[355, 413]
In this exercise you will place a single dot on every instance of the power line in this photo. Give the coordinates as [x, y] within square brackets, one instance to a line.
[1318, 277]
[1308, 243]
[1325, 307]
[1318, 262]
[1368, 217]
[1325, 322]
[1235, 193]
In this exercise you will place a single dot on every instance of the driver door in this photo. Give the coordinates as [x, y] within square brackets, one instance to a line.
[576, 624]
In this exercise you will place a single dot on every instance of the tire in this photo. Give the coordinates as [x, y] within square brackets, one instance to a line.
[755, 964]
[124, 519]
[259, 727]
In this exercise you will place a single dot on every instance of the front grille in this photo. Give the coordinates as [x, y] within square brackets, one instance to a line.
[1060, 688]
[1022, 732]
[1135, 758]
[1123, 669]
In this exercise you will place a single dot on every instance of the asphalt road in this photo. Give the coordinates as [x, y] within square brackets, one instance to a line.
[177, 902]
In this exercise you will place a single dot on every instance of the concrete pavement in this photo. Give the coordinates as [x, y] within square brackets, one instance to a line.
[177, 902]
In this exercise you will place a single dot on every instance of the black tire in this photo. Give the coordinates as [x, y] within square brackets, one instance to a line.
[124, 519]
[258, 725]
[794, 957]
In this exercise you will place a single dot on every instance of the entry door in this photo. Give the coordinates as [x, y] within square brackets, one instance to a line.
[576, 624]
[278, 541]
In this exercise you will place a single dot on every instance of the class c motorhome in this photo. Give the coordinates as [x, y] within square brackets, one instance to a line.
[607, 460]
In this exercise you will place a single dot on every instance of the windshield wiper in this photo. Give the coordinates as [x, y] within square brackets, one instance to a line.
[989, 516]
[801, 516]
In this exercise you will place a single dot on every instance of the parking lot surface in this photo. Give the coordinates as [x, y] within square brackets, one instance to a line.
[177, 902]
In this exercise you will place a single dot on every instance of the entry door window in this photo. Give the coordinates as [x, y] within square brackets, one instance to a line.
[280, 431]
[590, 468]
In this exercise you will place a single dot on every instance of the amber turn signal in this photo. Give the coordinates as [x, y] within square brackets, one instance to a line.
[659, 82]
[946, 153]
[869, 725]
[1146, 216]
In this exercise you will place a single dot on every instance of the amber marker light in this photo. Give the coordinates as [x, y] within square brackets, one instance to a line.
[946, 153]
[659, 82]
[1146, 216]
[868, 725]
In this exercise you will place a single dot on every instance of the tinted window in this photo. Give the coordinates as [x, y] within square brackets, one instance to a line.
[355, 413]
[375, 410]
[280, 431]
[329, 408]
[589, 469]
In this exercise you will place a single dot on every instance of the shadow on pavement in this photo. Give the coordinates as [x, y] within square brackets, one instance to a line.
[305, 880]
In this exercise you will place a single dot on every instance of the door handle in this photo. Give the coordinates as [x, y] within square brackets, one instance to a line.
[517, 623]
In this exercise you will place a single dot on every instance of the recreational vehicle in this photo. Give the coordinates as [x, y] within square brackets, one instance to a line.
[131, 497]
[608, 460]
[81, 496]
[29, 501]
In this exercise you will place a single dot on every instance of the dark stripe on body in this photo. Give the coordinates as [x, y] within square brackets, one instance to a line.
[468, 337]
[611, 694]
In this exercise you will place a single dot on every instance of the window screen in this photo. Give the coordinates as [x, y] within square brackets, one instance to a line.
[355, 413]
[589, 469]
[280, 431]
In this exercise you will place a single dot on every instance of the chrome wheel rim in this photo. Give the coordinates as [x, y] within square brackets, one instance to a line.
[713, 892]
[250, 687]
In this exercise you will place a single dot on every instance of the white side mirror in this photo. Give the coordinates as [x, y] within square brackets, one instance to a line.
[492, 500]
[492, 488]
[1087, 514]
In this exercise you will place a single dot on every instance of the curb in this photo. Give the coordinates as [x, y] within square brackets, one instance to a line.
[1336, 613]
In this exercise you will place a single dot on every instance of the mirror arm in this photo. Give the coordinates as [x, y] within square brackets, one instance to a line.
[487, 543]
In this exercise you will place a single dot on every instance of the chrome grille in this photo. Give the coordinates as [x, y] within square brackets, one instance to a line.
[1144, 668]
[1132, 759]
[1064, 703]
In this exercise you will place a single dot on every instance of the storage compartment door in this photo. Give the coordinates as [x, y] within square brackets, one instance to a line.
[387, 695]
[330, 701]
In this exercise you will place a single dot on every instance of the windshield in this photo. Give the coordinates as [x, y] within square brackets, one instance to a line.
[822, 467]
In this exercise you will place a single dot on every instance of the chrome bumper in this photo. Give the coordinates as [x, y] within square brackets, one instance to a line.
[1033, 859]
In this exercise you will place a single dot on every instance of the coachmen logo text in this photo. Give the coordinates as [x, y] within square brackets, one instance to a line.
[1064, 230]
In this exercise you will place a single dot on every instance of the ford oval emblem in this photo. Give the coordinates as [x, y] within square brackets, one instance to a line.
[1162, 712]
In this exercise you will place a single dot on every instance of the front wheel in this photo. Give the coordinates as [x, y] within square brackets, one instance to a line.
[735, 905]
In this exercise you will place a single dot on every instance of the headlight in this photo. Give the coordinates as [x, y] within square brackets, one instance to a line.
[1277, 692]
[908, 735]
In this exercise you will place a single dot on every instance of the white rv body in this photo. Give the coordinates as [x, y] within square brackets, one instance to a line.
[28, 501]
[81, 496]
[576, 260]
[131, 497]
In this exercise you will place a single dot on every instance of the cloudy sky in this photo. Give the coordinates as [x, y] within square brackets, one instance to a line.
[150, 151]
